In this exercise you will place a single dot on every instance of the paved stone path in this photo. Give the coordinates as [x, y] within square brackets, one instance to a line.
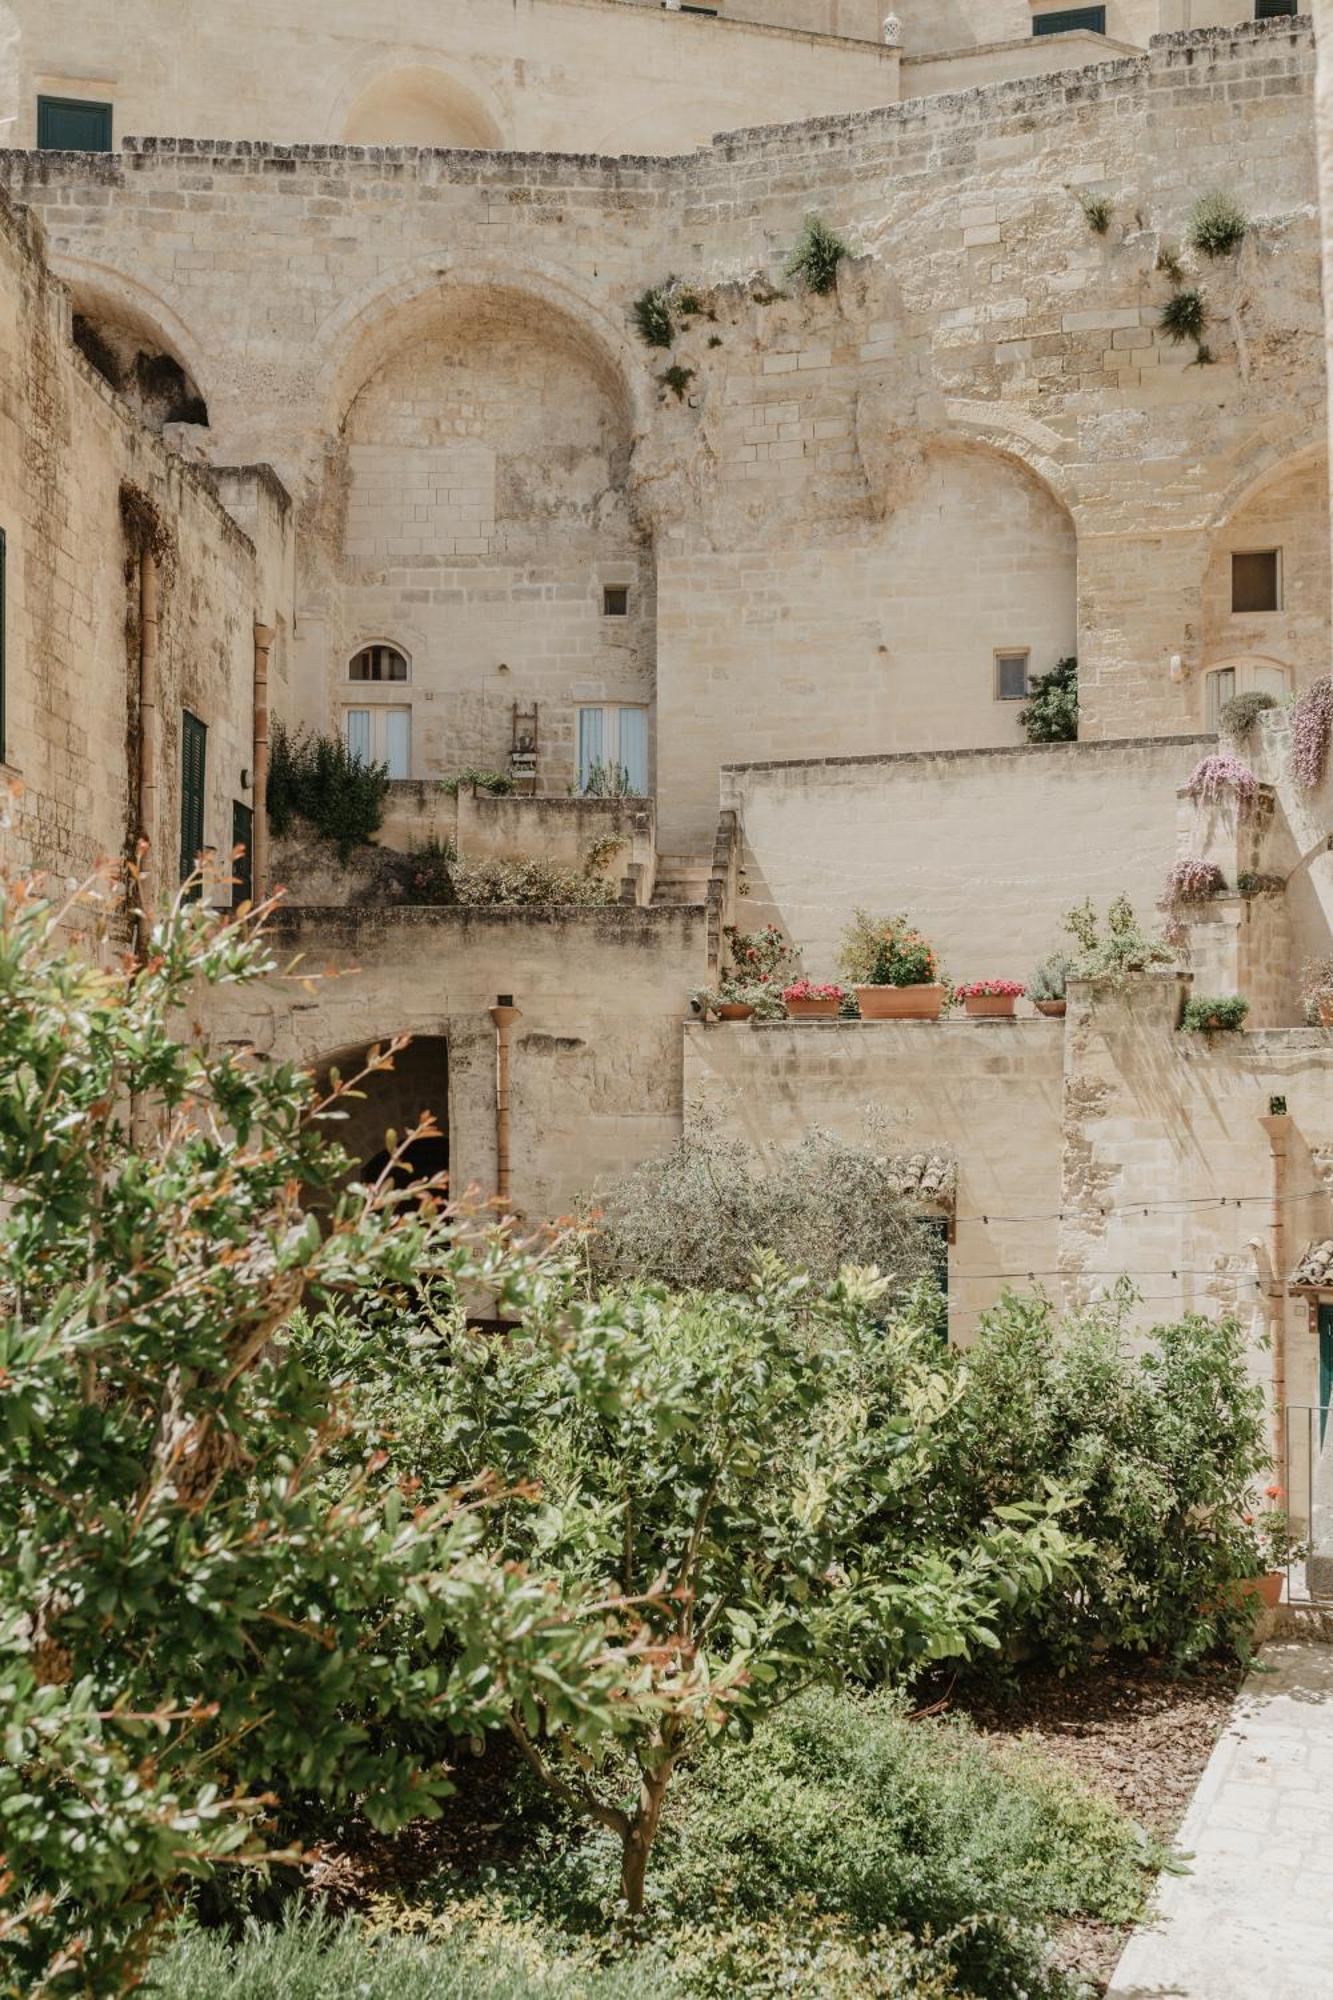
[1254, 1918]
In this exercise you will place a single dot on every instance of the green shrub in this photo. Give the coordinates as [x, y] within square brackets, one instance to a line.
[1184, 316]
[529, 883]
[886, 951]
[1051, 714]
[1217, 225]
[470, 779]
[653, 315]
[678, 380]
[1051, 978]
[698, 1216]
[604, 780]
[1161, 1449]
[1098, 210]
[818, 253]
[1240, 714]
[1206, 1017]
[426, 875]
[1118, 952]
[317, 779]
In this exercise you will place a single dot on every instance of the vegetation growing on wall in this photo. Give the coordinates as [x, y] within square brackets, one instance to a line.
[1216, 780]
[1240, 714]
[1217, 225]
[318, 780]
[677, 379]
[1184, 316]
[1311, 732]
[1097, 209]
[1204, 1016]
[653, 315]
[1051, 714]
[819, 251]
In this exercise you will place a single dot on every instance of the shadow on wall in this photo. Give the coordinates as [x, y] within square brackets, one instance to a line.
[421, 107]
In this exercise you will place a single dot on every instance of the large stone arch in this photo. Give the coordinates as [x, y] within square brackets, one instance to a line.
[137, 342]
[417, 104]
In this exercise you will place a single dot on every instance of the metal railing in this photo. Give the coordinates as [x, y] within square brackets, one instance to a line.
[1309, 1500]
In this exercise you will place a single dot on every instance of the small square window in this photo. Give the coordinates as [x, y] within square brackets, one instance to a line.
[615, 601]
[1068, 19]
[1011, 676]
[1255, 581]
[73, 125]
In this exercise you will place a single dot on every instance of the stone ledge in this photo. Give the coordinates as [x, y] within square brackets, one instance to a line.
[1096, 747]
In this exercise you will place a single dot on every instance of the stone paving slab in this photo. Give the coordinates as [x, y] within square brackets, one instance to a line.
[1253, 1920]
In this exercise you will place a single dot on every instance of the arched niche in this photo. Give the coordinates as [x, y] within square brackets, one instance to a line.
[392, 1100]
[130, 348]
[422, 106]
[1266, 581]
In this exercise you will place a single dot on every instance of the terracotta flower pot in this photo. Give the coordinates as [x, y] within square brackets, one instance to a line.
[1054, 1010]
[1268, 1589]
[814, 1010]
[734, 1010]
[900, 1003]
[990, 1006]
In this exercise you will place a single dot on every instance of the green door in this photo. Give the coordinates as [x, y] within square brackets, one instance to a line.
[242, 847]
[194, 769]
[73, 125]
[1325, 1366]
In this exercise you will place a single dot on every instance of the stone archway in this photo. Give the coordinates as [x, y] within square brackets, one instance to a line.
[393, 1100]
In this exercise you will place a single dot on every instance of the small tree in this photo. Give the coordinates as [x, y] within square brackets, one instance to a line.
[319, 780]
[737, 1460]
[1051, 715]
[197, 1620]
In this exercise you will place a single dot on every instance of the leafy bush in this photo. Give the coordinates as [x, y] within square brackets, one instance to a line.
[678, 378]
[199, 1616]
[1205, 1016]
[484, 883]
[1051, 978]
[1160, 1450]
[317, 779]
[886, 951]
[1051, 715]
[607, 781]
[426, 876]
[1122, 951]
[1249, 883]
[1311, 728]
[1217, 225]
[698, 1217]
[1240, 714]
[471, 779]
[818, 253]
[1223, 776]
[1184, 316]
[653, 315]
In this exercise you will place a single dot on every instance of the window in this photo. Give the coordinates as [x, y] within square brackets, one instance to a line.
[615, 601]
[381, 736]
[613, 750]
[1069, 18]
[1011, 676]
[1273, 10]
[194, 773]
[378, 663]
[73, 125]
[1256, 583]
[242, 863]
[1246, 677]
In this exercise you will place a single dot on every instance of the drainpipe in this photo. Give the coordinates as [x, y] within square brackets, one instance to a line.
[264, 637]
[1278, 1128]
[504, 1013]
[149, 733]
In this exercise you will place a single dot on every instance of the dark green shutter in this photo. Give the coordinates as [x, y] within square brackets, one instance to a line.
[1070, 18]
[1325, 1366]
[242, 864]
[1273, 10]
[73, 125]
[194, 763]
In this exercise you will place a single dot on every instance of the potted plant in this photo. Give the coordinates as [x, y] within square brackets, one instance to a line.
[1276, 1547]
[1205, 1016]
[990, 999]
[806, 1001]
[1046, 988]
[1317, 992]
[895, 973]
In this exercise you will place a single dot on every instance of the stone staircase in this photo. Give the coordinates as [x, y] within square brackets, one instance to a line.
[682, 878]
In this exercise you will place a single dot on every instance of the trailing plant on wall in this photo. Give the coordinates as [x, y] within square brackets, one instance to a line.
[1311, 726]
[317, 779]
[1169, 264]
[1217, 225]
[1051, 715]
[1240, 714]
[678, 380]
[1184, 316]
[818, 253]
[1194, 881]
[1215, 779]
[1098, 210]
[653, 315]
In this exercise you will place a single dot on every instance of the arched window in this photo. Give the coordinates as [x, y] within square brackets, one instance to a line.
[378, 663]
[1241, 677]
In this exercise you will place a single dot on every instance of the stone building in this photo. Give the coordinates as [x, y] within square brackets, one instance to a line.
[442, 378]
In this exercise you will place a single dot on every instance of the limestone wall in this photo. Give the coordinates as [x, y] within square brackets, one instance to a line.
[69, 453]
[985, 850]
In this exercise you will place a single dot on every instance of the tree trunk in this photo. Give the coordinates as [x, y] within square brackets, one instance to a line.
[638, 1842]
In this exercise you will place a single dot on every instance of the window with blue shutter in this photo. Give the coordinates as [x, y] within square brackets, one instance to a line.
[73, 125]
[1069, 18]
[194, 771]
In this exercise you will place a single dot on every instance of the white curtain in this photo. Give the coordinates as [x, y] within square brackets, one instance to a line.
[591, 738]
[398, 742]
[633, 755]
[358, 734]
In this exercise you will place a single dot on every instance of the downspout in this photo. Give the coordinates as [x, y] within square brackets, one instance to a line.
[149, 736]
[504, 1013]
[264, 637]
[1278, 1128]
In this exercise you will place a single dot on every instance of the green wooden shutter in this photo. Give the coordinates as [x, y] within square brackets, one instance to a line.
[1273, 10]
[194, 764]
[242, 866]
[73, 125]
[1070, 18]
[1325, 1366]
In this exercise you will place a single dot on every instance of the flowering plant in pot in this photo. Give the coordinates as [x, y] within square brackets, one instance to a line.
[1276, 1548]
[807, 1001]
[895, 972]
[990, 999]
[1046, 988]
[739, 1000]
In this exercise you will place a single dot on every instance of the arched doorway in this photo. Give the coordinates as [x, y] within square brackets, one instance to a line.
[393, 1100]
